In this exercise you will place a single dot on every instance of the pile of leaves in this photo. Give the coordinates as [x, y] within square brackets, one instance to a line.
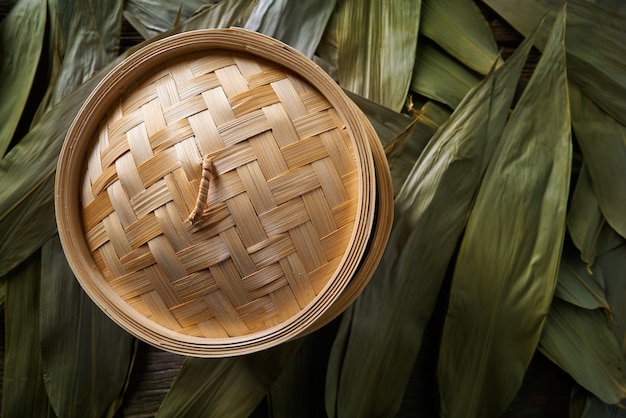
[509, 208]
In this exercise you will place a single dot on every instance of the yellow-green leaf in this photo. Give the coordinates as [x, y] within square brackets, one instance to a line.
[439, 76]
[460, 28]
[383, 328]
[506, 270]
[580, 341]
[371, 35]
[21, 37]
[86, 358]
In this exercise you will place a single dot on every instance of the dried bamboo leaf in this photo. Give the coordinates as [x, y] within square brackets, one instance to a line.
[460, 28]
[603, 143]
[85, 356]
[158, 16]
[23, 177]
[85, 53]
[21, 50]
[596, 53]
[297, 23]
[439, 76]
[588, 228]
[299, 390]
[580, 341]
[430, 214]
[372, 34]
[406, 147]
[224, 14]
[231, 386]
[577, 284]
[23, 391]
[613, 264]
[108, 17]
[506, 270]
[595, 408]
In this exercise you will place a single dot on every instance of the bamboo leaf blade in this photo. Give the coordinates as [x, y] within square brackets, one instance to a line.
[613, 264]
[21, 36]
[585, 223]
[30, 225]
[299, 24]
[23, 391]
[440, 77]
[580, 341]
[85, 356]
[85, 53]
[577, 285]
[430, 214]
[158, 16]
[299, 389]
[596, 53]
[506, 269]
[231, 386]
[372, 34]
[603, 143]
[108, 15]
[459, 27]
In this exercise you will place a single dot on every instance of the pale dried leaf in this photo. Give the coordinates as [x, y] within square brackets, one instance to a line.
[372, 34]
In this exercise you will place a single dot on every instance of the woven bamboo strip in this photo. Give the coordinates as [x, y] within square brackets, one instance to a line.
[139, 143]
[268, 154]
[195, 285]
[141, 231]
[255, 183]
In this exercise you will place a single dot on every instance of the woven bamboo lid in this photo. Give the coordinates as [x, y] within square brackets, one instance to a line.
[218, 194]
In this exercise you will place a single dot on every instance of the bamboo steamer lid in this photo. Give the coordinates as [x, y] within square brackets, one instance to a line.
[218, 194]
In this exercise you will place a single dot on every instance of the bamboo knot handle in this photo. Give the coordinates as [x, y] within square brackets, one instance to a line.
[203, 191]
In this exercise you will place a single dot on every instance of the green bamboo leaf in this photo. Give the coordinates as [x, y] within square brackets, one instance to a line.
[595, 408]
[588, 228]
[506, 270]
[577, 284]
[372, 34]
[613, 264]
[158, 16]
[108, 17]
[603, 143]
[85, 53]
[27, 183]
[21, 37]
[460, 28]
[297, 23]
[581, 342]
[23, 391]
[85, 356]
[439, 76]
[596, 46]
[376, 346]
[226, 387]
[406, 147]
[299, 390]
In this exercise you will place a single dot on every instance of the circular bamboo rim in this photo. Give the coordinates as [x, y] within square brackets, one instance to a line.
[150, 189]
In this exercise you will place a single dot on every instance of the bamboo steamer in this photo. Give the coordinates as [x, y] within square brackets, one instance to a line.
[218, 194]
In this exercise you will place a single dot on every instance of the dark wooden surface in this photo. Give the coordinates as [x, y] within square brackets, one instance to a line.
[544, 392]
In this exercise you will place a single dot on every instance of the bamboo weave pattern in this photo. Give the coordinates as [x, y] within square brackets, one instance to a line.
[280, 209]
